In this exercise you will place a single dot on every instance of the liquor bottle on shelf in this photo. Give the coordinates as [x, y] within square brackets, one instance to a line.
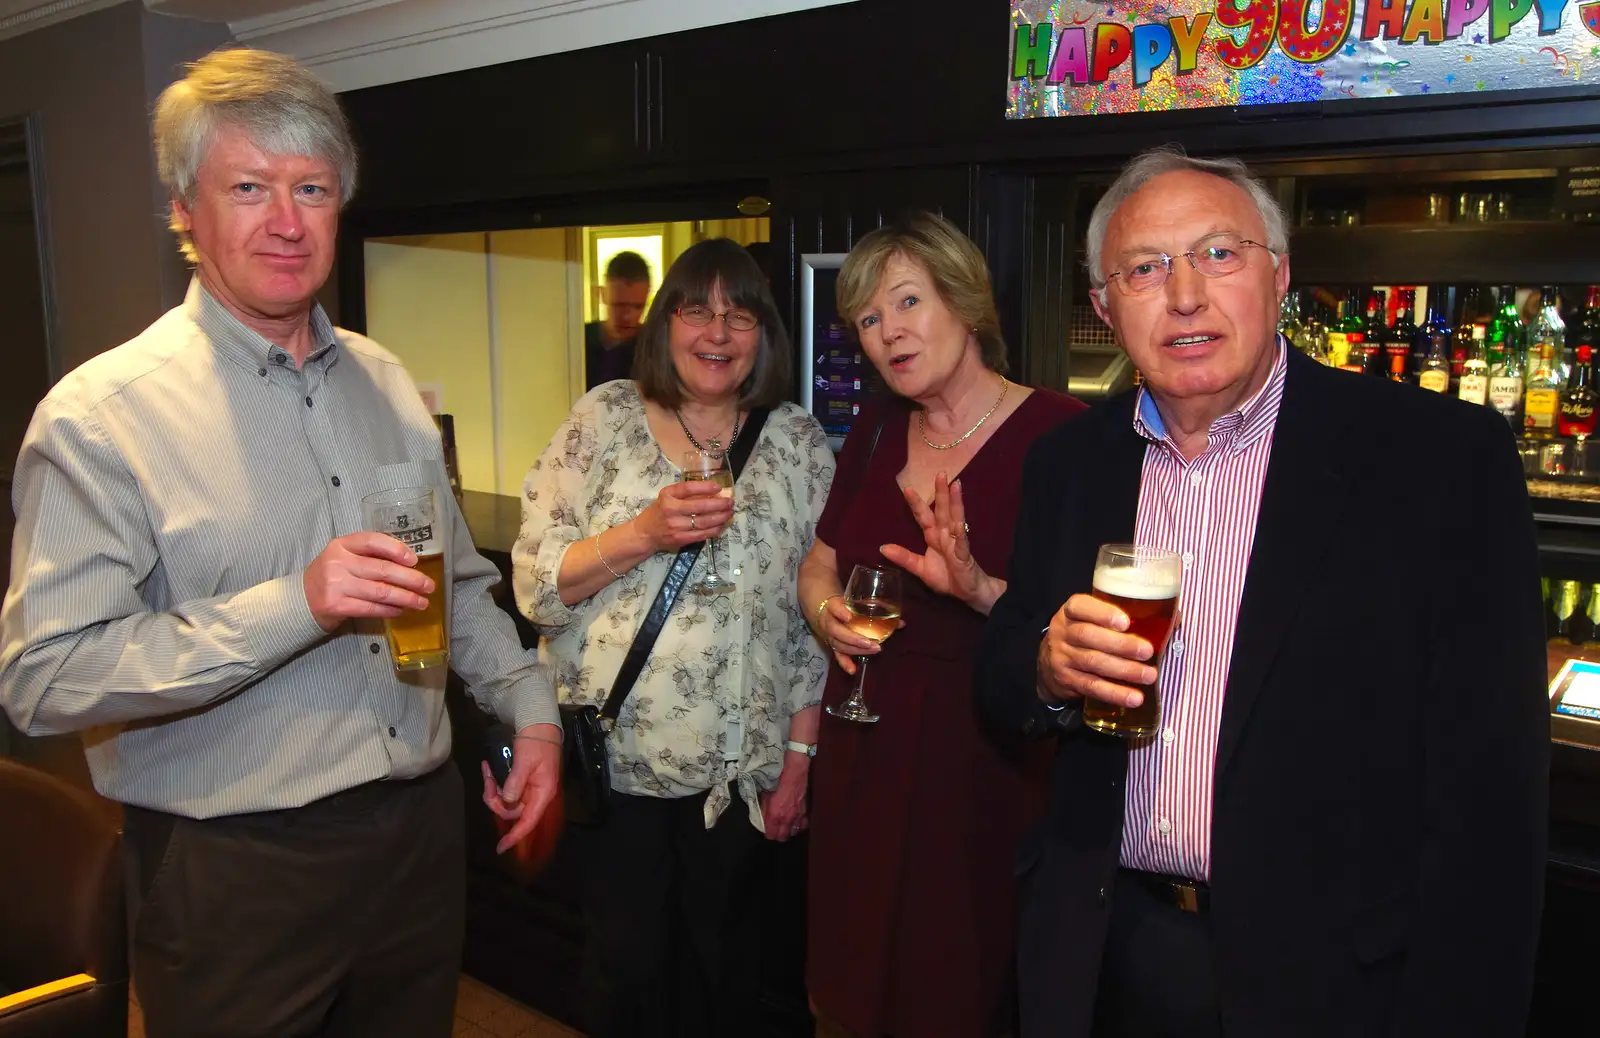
[1541, 397]
[1314, 334]
[1375, 333]
[1436, 322]
[1507, 334]
[1549, 333]
[1467, 317]
[1346, 345]
[1563, 606]
[1435, 372]
[1591, 613]
[1505, 387]
[1403, 333]
[1289, 325]
[1474, 384]
[1578, 409]
[1541, 401]
[1585, 330]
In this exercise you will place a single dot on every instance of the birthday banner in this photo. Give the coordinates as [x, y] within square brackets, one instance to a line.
[1074, 57]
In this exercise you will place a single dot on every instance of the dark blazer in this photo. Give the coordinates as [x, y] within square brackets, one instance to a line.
[1379, 799]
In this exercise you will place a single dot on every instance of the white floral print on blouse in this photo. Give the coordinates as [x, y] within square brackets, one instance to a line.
[745, 657]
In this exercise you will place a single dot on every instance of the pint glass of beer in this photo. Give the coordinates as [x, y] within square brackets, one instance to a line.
[418, 639]
[1144, 583]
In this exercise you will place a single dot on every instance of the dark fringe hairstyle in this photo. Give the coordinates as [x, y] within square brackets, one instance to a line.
[690, 281]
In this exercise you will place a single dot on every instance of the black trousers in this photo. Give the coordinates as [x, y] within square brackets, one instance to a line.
[672, 915]
[343, 917]
[1158, 976]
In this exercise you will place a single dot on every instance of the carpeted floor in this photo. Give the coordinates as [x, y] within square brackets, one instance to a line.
[481, 1012]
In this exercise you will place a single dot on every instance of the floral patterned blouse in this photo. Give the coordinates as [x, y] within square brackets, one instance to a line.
[743, 662]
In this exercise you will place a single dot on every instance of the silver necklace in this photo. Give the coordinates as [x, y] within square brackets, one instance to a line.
[922, 422]
[716, 445]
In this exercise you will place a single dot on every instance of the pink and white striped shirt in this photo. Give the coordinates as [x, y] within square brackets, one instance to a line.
[1206, 510]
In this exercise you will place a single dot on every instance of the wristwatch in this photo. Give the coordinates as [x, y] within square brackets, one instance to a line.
[807, 748]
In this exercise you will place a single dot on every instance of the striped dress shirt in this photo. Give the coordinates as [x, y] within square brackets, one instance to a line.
[169, 495]
[1206, 511]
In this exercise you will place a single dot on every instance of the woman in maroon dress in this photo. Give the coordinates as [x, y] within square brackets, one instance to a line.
[915, 819]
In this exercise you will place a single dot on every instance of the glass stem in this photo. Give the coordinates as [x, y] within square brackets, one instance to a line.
[711, 546]
[856, 697]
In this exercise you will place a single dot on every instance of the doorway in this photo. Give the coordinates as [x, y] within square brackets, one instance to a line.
[492, 324]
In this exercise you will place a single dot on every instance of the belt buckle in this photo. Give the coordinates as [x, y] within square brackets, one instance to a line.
[1186, 897]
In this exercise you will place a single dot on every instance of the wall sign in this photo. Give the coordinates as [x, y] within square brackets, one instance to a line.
[1076, 57]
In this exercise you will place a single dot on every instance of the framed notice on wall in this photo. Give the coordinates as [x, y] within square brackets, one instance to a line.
[1076, 57]
[835, 377]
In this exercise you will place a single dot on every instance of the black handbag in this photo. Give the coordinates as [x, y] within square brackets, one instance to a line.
[585, 768]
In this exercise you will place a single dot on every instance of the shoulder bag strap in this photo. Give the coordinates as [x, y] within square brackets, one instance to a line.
[645, 640]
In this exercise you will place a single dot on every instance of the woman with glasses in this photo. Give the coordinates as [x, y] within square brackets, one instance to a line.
[916, 816]
[712, 746]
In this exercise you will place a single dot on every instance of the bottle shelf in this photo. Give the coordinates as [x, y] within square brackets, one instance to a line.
[1509, 252]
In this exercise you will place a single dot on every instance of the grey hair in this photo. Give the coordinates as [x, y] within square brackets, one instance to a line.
[277, 102]
[1145, 167]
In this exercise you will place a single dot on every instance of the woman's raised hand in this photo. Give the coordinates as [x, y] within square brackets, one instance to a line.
[947, 567]
[685, 513]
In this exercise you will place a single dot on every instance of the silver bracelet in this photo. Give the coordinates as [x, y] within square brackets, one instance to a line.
[601, 555]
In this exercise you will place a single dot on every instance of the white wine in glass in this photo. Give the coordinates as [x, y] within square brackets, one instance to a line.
[710, 467]
[873, 597]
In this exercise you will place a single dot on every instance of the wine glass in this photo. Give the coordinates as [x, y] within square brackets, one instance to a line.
[711, 466]
[873, 597]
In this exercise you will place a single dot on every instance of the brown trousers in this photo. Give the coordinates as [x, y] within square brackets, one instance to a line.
[341, 918]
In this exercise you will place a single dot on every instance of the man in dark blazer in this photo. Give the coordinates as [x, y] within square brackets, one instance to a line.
[1339, 826]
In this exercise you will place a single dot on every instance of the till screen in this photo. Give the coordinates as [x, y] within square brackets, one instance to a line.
[1582, 695]
[839, 373]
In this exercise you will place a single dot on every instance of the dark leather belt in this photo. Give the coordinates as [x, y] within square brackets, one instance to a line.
[1189, 895]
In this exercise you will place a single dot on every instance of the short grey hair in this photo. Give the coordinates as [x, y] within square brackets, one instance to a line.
[1145, 167]
[277, 102]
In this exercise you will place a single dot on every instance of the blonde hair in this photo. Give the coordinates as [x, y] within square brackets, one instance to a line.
[275, 101]
[957, 267]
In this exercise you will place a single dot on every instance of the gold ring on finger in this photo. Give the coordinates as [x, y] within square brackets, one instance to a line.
[692, 525]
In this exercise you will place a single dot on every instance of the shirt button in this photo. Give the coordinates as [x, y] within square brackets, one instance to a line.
[308, 402]
[1188, 559]
[278, 358]
[373, 648]
[262, 373]
[1168, 735]
[391, 735]
[1196, 478]
[335, 480]
[1164, 827]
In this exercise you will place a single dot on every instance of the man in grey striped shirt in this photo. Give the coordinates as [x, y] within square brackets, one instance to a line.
[192, 590]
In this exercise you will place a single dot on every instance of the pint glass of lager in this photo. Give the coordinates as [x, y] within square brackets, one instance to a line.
[1144, 583]
[418, 639]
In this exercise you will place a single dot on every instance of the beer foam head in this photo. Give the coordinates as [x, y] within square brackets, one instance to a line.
[1151, 582]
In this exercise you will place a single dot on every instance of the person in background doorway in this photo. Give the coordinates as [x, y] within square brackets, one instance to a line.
[192, 589]
[761, 252]
[608, 344]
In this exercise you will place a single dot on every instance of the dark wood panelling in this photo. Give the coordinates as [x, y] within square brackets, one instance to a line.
[829, 212]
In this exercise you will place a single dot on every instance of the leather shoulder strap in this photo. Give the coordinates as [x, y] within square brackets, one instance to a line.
[682, 563]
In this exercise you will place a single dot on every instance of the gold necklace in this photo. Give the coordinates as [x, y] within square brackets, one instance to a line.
[922, 421]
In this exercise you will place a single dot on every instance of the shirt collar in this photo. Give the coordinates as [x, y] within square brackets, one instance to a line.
[234, 339]
[1243, 426]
